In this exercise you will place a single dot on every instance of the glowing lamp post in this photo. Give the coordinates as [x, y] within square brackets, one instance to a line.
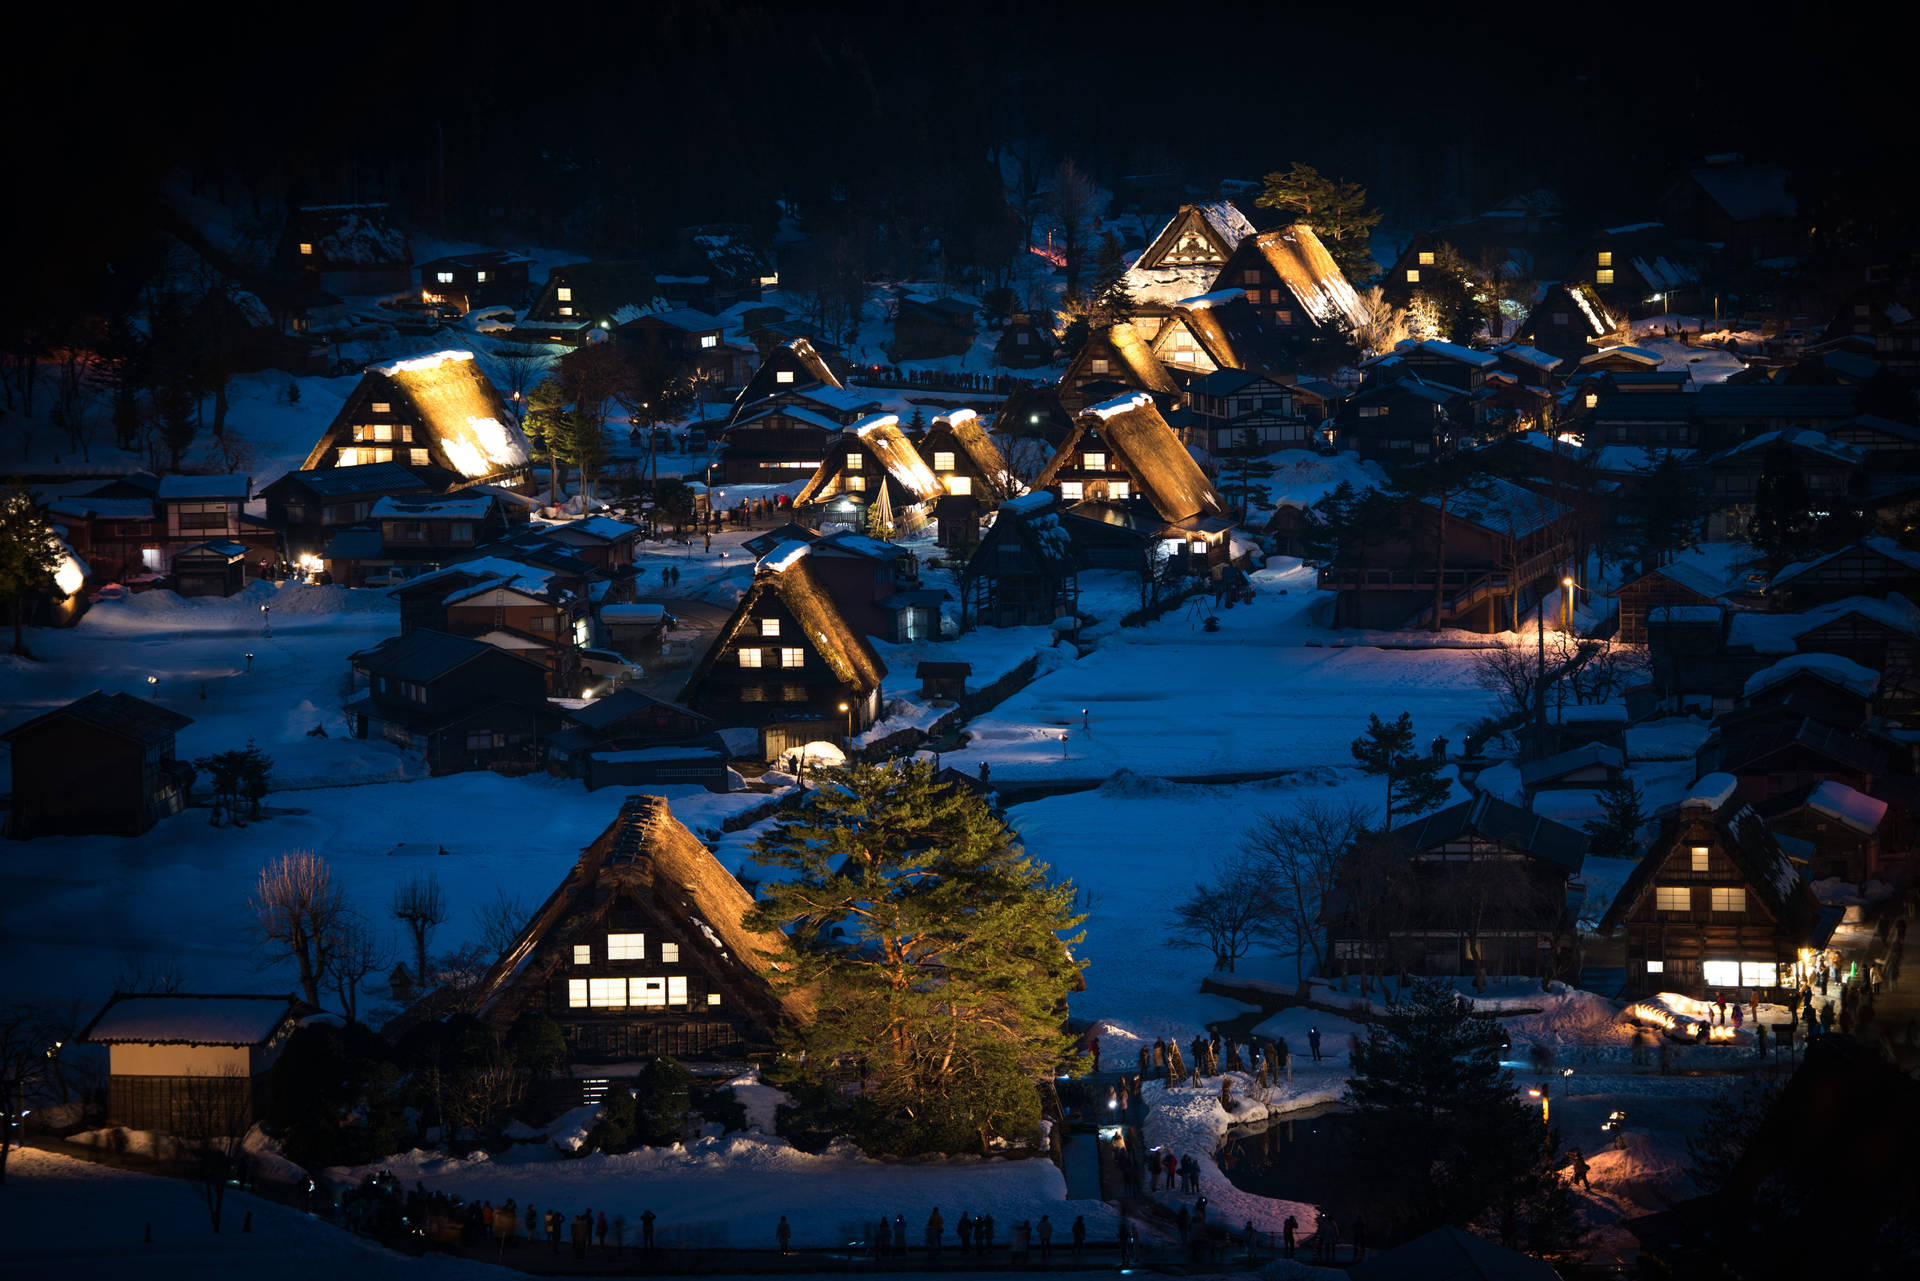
[847, 710]
[249, 662]
[153, 687]
[1542, 1092]
[266, 620]
[1566, 603]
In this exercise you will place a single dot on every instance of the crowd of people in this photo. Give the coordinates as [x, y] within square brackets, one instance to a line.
[379, 1207]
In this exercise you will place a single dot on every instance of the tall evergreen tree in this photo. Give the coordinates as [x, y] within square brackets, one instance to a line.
[1665, 510]
[547, 426]
[1111, 301]
[1783, 521]
[1616, 834]
[1387, 751]
[934, 951]
[1337, 211]
[1452, 1135]
[28, 559]
[1245, 464]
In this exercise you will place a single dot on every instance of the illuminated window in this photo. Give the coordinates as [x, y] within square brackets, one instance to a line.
[1098, 364]
[1250, 276]
[607, 994]
[1656, 967]
[446, 277]
[306, 249]
[626, 947]
[1182, 338]
[713, 998]
[769, 627]
[1071, 491]
[676, 989]
[783, 375]
[1284, 317]
[420, 457]
[480, 276]
[1604, 258]
[793, 693]
[1118, 489]
[1198, 547]
[383, 431]
[1672, 898]
[1094, 462]
[960, 485]
[564, 294]
[1253, 295]
[649, 993]
[856, 462]
[566, 311]
[670, 953]
[1426, 259]
[1721, 973]
[709, 341]
[858, 484]
[1730, 900]
[382, 407]
[1593, 398]
[583, 954]
[943, 462]
[577, 994]
[793, 658]
[1759, 974]
[1699, 854]
[749, 658]
[1413, 275]
[1604, 276]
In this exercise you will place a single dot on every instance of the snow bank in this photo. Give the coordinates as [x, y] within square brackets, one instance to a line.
[1189, 1121]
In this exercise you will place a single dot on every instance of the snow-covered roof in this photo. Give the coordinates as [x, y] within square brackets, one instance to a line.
[1639, 355]
[601, 527]
[638, 755]
[1298, 257]
[103, 508]
[454, 506]
[1857, 810]
[458, 405]
[1028, 504]
[881, 434]
[1633, 227]
[1108, 409]
[799, 413]
[1878, 543]
[1664, 274]
[1213, 299]
[785, 556]
[1451, 351]
[1798, 438]
[1711, 791]
[181, 1018]
[1693, 578]
[189, 487]
[1748, 192]
[1779, 633]
[1529, 356]
[1502, 507]
[1832, 668]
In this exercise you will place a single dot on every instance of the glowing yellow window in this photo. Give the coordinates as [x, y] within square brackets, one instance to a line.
[1603, 259]
[306, 250]
[1426, 259]
[1413, 275]
[960, 485]
[563, 294]
[943, 462]
[1094, 462]
[1604, 276]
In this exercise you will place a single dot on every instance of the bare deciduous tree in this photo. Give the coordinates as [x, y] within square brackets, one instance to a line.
[1074, 199]
[212, 1118]
[298, 913]
[30, 1066]
[500, 922]
[356, 954]
[422, 908]
[1225, 915]
[1511, 673]
[1376, 891]
[1297, 856]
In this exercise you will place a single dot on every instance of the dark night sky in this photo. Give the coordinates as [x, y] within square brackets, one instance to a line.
[700, 110]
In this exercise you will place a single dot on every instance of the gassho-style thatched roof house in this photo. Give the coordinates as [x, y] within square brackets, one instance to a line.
[1111, 361]
[1126, 439]
[1301, 282]
[868, 456]
[641, 951]
[439, 410]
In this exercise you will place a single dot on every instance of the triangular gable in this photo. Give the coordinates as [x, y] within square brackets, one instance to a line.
[1161, 469]
[1197, 235]
[961, 433]
[1129, 362]
[824, 629]
[448, 397]
[1296, 255]
[802, 367]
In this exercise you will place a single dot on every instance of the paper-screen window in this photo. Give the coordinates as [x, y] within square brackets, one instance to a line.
[626, 947]
[583, 954]
[676, 989]
[670, 953]
[576, 994]
[607, 994]
[649, 993]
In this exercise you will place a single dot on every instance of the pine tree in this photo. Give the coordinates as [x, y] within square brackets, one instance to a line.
[1783, 522]
[1387, 751]
[934, 951]
[546, 424]
[1337, 211]
[1112, 303]
[1616, 834]
[1245, 465]
[1428, 1094]
[28, 559]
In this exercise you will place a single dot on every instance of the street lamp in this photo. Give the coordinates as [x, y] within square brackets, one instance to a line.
[249, 661]
[1566, 603]
[266, 620]
[153, 686]
[847, 709]
[1085, 723]
[1541, 1092]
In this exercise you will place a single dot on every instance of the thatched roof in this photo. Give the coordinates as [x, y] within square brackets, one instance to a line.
[1129, 362]
[796, 357]
[1296, 255]
[879, 437]
[1224, 325]
[788, 576]
[1162, 470]
[1744, 838]
[467, 422]
[649, 858]
[961, 432]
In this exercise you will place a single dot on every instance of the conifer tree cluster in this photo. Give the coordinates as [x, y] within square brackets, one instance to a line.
[933, 952]
[1337, 211]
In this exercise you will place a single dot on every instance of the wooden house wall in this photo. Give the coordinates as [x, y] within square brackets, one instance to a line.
[1682, 941]
[69, 777]
[1643, 595]
[736, 695]
[774, 450]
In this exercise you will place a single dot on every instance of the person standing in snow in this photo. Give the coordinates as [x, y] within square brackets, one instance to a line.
[1167, 1162]
[1580, 1169]
[1289, 1234]
[1184, 1221]
[1160, 1057]
[964, 1230]
[900, 1236]
[1760, 1039]
[983, 1234]
[936, 1228]
[1146, 1060]
[600, 1229]
[1079, 1236]
[783, 1234]
[1046, 1238]
[1739, 1017]
[646, 1231]
[1313, 1043]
